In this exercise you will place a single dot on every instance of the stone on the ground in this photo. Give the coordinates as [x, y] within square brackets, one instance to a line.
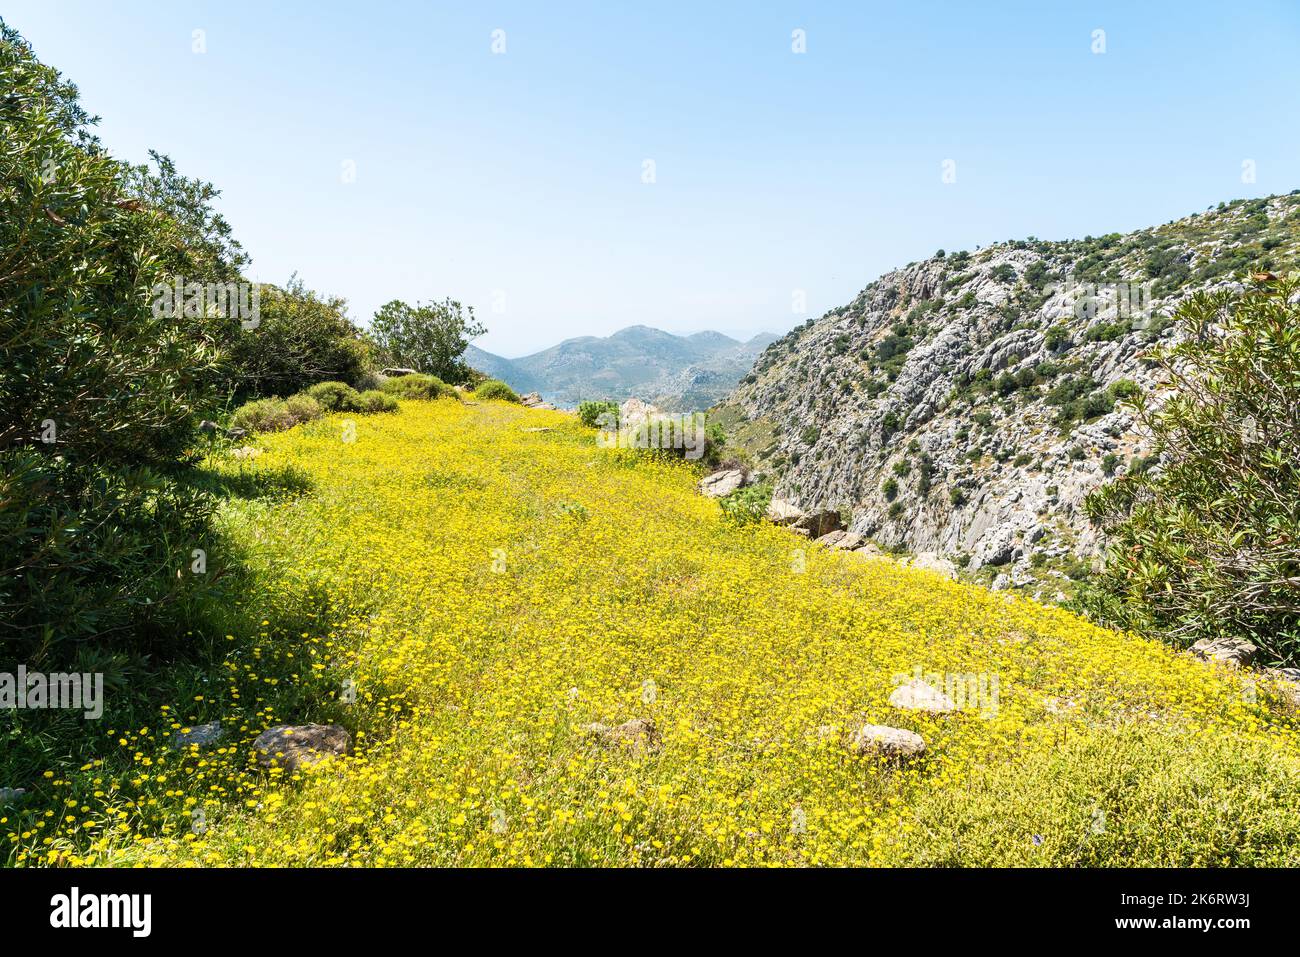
[1232, 651]
[541, 428]
[12, 795]
[236, 433]
[295, 746]
[916, 695]
[722, 483]
[200, 734]
[933, 562]
[781, 512]
[634, 412]
[819, 522]
[842, 540]
[399, 372]
[639, 733]
[884, 740]
[208, 427]
[1002, 582]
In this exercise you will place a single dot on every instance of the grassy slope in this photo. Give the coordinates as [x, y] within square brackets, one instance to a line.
[617, 592]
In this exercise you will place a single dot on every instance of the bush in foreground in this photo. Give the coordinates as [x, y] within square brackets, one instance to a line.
[1208, 544]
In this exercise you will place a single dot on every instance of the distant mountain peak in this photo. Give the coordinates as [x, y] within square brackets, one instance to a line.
[674, 371]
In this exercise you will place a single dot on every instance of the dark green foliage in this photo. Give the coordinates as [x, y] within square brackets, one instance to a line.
[372, 401]
[890, 489]
[301, 339]
[97, 394]
[747, 506]
[1208, 545]
[602, 413]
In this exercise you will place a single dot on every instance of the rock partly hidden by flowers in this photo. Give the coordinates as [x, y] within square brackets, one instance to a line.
[293, 746]
[885, 741]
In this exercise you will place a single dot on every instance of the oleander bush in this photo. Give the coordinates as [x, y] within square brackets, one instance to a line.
[1207, 544]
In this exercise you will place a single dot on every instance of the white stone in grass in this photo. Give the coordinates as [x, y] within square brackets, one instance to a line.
[884, 740]
[916, 695]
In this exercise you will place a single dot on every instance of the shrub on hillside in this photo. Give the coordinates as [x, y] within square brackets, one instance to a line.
[495, 389]
[264, 415]
[417, 386]
[748, 505]
[336, 396]
[1208, 545]
[590, 413]
[372, 400]
[301, 338]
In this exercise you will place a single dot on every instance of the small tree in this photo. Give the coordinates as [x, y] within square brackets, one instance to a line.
[431, 338]
[1208, 543]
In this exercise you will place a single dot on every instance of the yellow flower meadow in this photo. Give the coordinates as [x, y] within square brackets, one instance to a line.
[466, 587]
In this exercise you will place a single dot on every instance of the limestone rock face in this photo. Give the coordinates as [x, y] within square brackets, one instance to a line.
[781, 512]
[951, 377]
[722, 483]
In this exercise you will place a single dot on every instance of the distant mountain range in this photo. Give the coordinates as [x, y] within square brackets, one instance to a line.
[674, 372]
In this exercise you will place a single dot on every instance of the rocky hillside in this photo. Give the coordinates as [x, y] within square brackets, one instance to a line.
[965, 405]
[678, 373]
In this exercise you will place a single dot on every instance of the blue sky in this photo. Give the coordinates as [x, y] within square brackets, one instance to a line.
[514, 181]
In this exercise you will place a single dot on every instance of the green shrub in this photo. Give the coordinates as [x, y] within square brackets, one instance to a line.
[372, 400]
[264, 415]
[748, 505]
[303, 408]
[336, 396]
[1209, 545]
[98, 394]
[417, 386]
[300, 339]
[890, 489]
[590, 413]
[495, 390]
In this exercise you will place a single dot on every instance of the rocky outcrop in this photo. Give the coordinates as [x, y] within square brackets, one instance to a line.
[722, 483]
[200, 735]
[966, 405]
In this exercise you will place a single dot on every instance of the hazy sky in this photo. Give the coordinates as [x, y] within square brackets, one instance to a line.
[515, 180]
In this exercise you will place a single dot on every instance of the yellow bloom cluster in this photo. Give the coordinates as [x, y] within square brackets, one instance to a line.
[467, 587]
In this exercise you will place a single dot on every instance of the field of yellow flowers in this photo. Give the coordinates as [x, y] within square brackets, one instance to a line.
[466, 587]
